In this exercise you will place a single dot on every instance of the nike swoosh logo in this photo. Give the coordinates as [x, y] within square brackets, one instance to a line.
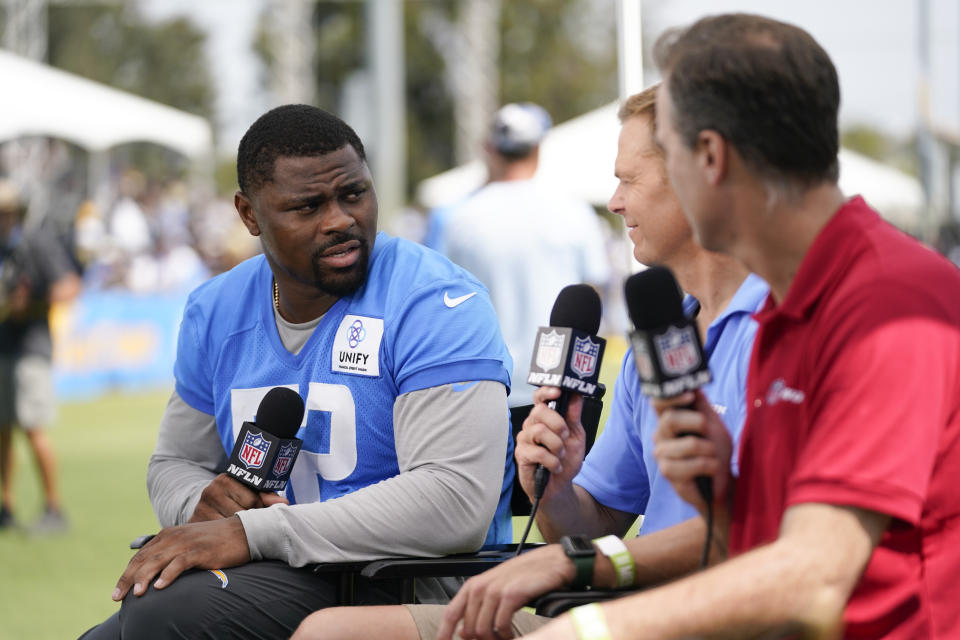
[453, 302]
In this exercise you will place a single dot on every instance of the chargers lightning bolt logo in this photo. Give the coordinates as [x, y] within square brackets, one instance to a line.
[221, 576]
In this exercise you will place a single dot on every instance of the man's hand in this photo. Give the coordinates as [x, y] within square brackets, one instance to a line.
[216, 544]
[486, 603]
[682, 457]
[548, 439]
[226, 495]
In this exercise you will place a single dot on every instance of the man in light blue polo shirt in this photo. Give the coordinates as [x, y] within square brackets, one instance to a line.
[620, 472]
[619, 480]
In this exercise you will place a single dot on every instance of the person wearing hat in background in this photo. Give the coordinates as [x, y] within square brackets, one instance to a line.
[35, 272]
[521, 239]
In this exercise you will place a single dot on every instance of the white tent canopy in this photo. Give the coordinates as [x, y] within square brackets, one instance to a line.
[40, 100]
[577, 158]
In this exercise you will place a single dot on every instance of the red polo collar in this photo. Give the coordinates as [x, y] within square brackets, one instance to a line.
[830, 254]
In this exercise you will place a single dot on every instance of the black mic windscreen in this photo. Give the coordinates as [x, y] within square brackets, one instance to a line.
[578, 307]
[280, 412]
[653, 298]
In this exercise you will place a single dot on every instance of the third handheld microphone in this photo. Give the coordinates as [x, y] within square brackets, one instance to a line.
[666, 344]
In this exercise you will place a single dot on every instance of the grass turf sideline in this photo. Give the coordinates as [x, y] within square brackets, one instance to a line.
[57, 587]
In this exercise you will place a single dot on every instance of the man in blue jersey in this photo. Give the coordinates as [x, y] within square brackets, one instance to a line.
[601, 496]
[398, 356]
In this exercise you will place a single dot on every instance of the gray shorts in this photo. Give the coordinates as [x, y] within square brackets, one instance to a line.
[26, 392]
[429, 616]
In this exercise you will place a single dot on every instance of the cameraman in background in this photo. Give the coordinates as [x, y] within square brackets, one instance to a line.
[35, 272]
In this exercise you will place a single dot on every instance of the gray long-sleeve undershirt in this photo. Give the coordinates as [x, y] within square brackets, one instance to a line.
[451, 447]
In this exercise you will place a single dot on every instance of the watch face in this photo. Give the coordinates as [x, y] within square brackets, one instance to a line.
[578, 546]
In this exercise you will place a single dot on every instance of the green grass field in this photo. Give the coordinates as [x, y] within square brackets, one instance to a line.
[57, 587]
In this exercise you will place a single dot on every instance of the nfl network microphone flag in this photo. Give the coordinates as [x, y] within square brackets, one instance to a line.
[567, 358]
[261, 460]
[669, 361]
[666, 344]
[265, 451]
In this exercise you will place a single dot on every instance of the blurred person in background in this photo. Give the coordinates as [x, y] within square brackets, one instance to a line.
[36, 271]
[521, 239]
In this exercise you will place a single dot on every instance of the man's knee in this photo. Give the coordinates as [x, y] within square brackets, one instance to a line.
[177, 611]
[356, 623]
[326, 624]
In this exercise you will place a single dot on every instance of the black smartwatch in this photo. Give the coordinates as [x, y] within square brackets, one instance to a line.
[581, 550]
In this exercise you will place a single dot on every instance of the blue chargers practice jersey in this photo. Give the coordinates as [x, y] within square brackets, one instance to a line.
[418, 321]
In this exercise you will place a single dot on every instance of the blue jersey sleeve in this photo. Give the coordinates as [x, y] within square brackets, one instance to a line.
[193, 371]
[448, 332]
[614, 472]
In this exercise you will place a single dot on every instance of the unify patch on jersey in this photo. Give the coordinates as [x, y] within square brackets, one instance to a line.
[356, 349]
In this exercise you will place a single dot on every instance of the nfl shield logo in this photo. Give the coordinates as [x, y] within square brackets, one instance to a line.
[549, 350]
[254, 450]
[677, 349]
[284, 458]
[584, 361]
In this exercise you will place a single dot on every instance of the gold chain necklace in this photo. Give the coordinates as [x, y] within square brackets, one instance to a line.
[276, 296]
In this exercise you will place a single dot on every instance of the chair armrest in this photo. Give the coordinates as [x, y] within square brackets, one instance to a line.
[454, 565]
[460, 564]
[136, 543]
[407, 570]
[554, 603]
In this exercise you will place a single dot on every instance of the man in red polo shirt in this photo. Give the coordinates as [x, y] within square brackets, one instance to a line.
[845, 519]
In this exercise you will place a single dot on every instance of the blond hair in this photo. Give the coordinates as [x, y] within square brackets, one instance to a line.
[642, 104]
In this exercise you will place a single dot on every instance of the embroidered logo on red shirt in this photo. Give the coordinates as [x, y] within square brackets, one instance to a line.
[780, 391]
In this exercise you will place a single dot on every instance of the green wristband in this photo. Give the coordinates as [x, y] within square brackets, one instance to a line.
[614, 548]
[589, 622]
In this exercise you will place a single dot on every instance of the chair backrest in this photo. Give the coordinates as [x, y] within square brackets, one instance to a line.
[590, 418]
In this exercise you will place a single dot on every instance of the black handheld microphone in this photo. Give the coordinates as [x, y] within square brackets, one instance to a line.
[265, 450]
[567, 354]
[666, 345]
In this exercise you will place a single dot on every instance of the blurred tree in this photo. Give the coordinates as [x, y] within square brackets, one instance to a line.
[558, 53]
[112, 44]
[161, 61]
[878, 145]
[561, 54]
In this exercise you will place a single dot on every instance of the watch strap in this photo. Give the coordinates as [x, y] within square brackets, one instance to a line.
[582, 553]
[584, 567]
[614, 548]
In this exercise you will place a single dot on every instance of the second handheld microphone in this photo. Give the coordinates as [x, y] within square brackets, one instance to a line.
[666, 344]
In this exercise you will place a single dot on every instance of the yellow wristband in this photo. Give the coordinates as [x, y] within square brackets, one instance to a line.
[589, 622]
[614, 548]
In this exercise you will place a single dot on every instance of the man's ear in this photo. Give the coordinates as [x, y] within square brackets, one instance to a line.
[247, 213]
[713, 155]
